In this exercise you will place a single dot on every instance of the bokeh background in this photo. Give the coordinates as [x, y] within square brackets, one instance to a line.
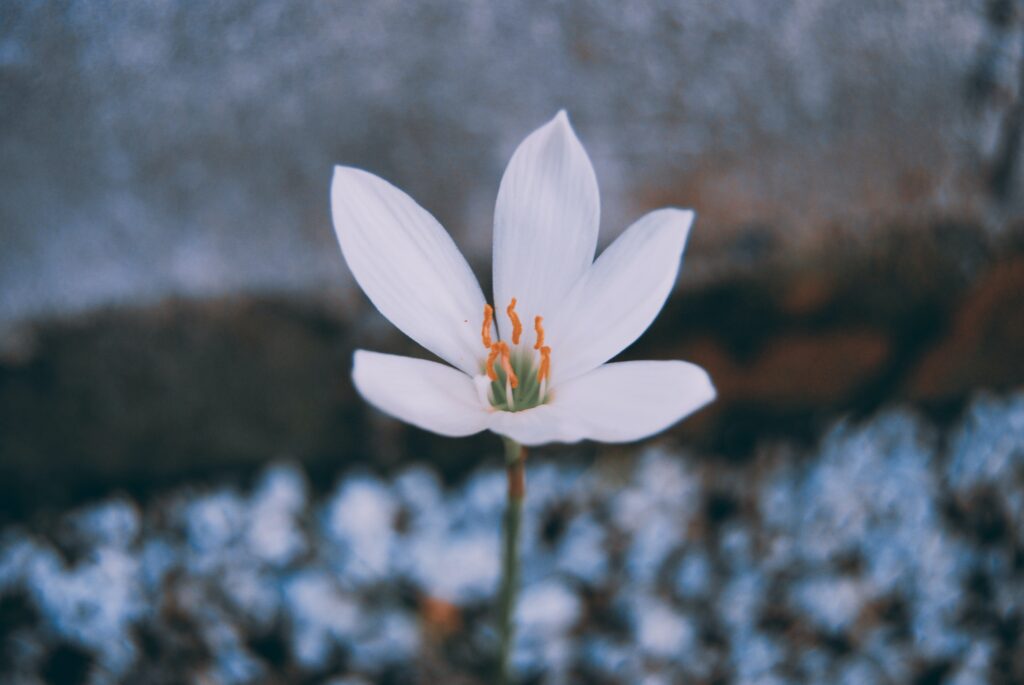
[191, 491]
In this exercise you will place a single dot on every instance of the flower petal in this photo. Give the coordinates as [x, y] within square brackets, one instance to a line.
[426, 394]
[538, 426]
[545, 221]
[628, 401]
[621, 294]
[408, 266]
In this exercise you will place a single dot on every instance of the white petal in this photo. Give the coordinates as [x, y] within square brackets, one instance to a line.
[426, 394]
[538, 426]
[408, 266]
[621, 294]
[545, 222]
[628, 401]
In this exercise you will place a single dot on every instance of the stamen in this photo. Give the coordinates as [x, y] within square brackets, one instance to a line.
[495, 351]
[544, 372]
[506, 364]
[517, 326]
[537, 320]
[485, 333]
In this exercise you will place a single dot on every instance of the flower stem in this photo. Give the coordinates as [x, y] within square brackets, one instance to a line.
[515, 458]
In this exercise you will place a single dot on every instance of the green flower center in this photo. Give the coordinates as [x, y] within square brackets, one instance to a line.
[519, 376]
[530, 391]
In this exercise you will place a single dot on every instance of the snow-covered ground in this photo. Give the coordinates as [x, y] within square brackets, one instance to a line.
[891, 553]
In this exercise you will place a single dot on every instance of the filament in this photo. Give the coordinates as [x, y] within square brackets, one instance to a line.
[495, 351]
[506, 365]
[544, 372]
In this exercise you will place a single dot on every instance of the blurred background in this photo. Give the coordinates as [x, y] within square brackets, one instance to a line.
[191, 490]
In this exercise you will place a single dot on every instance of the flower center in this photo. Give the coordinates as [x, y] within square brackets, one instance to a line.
[519, 376]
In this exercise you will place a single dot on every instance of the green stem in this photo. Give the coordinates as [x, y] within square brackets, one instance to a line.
[515, 457]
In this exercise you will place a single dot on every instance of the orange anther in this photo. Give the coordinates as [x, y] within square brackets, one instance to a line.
[545, 364]
[517, 327]
[495, 351]
[485, 333]
[506, 364]
[537, 320]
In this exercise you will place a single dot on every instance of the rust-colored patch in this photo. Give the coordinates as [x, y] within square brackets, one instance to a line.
[807, 295]
[796, 369]
[440, 618]
[985, 345]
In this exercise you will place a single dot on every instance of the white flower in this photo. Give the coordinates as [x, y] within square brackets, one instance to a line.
[542, 375]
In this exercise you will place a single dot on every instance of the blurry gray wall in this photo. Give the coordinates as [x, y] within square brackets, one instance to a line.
[164, 148]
